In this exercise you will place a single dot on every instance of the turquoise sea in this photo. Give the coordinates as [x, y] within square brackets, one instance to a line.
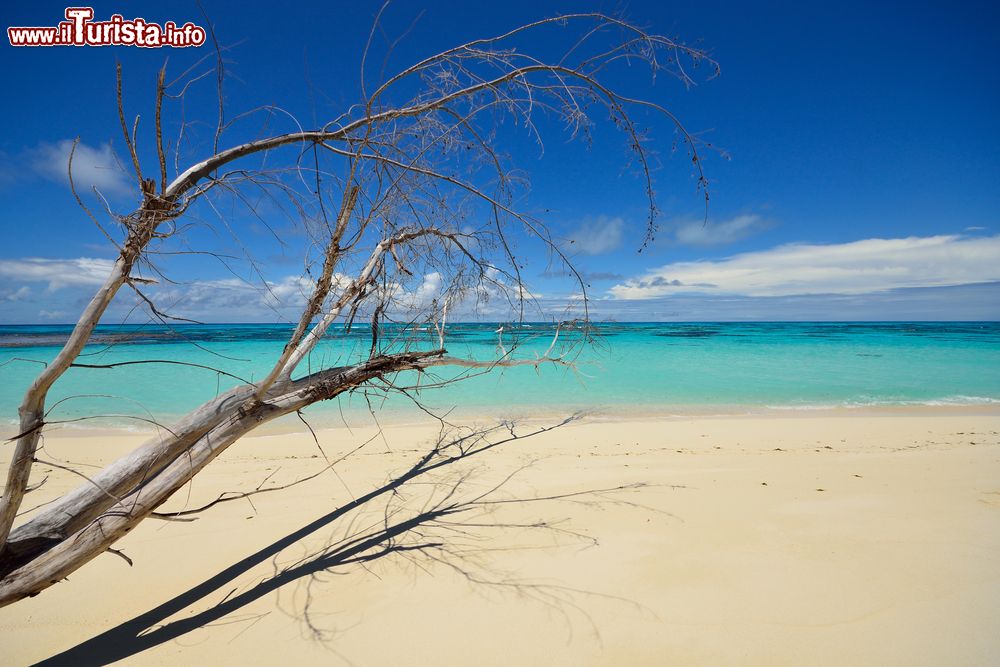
[661, 368]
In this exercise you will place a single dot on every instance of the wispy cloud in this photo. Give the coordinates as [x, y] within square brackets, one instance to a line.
[859, 267]
[58, 273]
[709, 233]
[93, 167]
[584, 274]
[600, 275]
[12, 295]
[596, 237]
[232, 297]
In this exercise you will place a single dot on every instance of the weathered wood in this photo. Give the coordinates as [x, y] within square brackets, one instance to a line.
[33, 407]
[79, 507]
[73, 551]
[374, 137]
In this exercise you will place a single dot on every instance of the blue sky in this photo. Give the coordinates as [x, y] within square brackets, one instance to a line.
[860, 177]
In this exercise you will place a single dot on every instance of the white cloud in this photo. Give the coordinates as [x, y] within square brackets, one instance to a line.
[596, 237]
[232, 296]
[92, 167]
[57, 273]
[429, 289]
[9, 296]
[702, 233]
[202, 297]
[859, 267]
[293, 290]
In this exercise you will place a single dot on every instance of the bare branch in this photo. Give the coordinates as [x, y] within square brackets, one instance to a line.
[125, 132]
[429, 225]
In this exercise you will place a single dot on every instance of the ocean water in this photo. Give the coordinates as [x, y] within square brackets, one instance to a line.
[649, 368]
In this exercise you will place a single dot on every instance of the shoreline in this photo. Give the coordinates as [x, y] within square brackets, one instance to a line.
[289, 424]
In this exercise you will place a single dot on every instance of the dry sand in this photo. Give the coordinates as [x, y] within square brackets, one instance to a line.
[858, 538]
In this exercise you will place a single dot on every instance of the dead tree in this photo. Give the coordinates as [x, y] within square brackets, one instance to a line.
[405, 176]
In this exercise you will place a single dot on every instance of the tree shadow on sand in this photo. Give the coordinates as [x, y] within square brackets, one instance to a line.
[434, 532]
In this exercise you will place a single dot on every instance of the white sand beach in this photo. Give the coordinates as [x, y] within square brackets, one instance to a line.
[830, 539]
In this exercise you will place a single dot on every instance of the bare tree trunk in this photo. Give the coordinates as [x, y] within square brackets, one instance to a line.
[403, 195]
[78, 508]
[118, 517]
[32, 409]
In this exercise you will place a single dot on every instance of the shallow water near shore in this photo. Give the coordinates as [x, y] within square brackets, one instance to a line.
[631, 369]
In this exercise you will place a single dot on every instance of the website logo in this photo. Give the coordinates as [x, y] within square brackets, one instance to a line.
[80, 29]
